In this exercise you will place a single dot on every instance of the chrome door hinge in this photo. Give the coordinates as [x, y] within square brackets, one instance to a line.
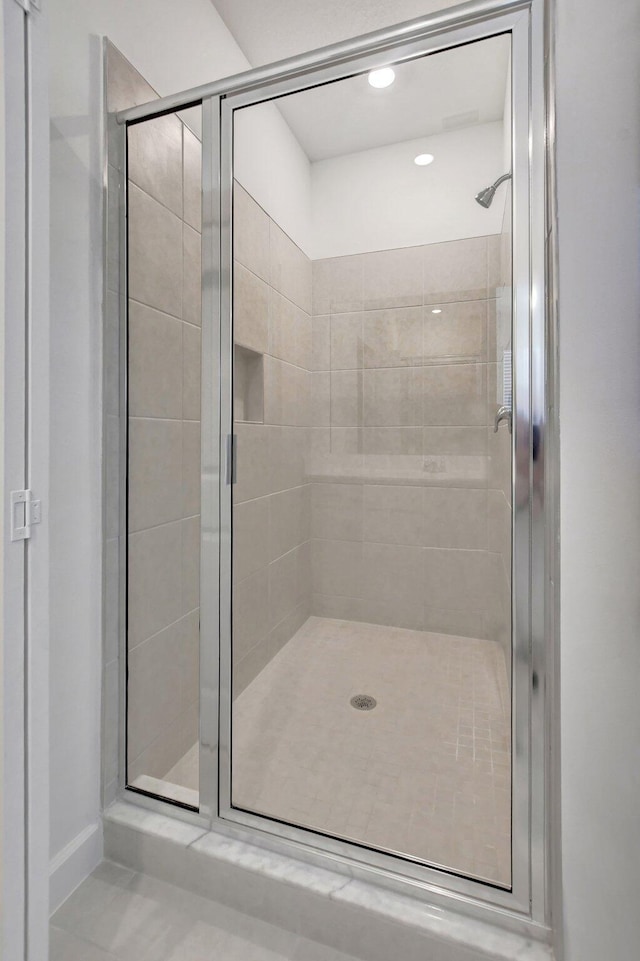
[29, 5]
[25, 512]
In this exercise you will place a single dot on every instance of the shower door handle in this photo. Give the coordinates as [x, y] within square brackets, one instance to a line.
[232, 450]
[503, 413]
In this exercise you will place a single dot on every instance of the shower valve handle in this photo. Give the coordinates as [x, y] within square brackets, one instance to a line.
[503, 413]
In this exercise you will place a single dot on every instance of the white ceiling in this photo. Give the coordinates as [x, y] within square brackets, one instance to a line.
[269, 30]
[431, 94]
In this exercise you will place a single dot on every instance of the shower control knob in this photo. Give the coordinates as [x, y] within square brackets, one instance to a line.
[503, 413]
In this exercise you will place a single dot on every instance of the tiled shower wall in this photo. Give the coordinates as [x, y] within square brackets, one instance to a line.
[405, 470]
[272, 514]
[164, 192]
[369, 484]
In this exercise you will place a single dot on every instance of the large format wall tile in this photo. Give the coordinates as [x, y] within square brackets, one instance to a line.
[155, 160]
[394, 611]
[289, 520]
[290, 269]
[272, 512]
[457, 335]
[190, 545]
[283, 587]
[250, 310]
[392, 441]
[155, 254]
[281, 386]
[287, 457]
[191, 277]
[163, 378]
[337, 606]
[337, 567]
[192, 157]
[155, 579]
[455, 440]
[125, 87]
[338, 285]
[393, 397]
[394, 514]
[336, 511]
[252, 462]
[455, 395]
[455, 517]
[250, 613]
[346, 341]
[250, 234]
[191, 472]
[155, 363]
[393, 278]
[251, 537]
[393, 572]
[346, 398]
[191, 360]
[321, 399]
[190, 660]
[155, 472]
[418, 325]
[461, 623]
[152, 686]
[393, 338]
[321, 343]
[456, 579]
[285, 321]
[456, 270]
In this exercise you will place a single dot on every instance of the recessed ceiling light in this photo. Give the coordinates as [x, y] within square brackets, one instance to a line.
[423, 159]
[382, 78]
[436, 311]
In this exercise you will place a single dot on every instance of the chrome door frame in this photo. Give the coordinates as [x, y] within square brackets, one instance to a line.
[526, 907]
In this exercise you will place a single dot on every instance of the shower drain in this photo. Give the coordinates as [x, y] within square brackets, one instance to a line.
[363, 702]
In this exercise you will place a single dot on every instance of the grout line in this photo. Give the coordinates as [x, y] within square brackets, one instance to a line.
[151, 637]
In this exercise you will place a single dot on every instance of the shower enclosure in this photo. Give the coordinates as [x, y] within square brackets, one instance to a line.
[326, 391]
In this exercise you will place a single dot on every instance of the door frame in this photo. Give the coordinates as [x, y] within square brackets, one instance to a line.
[526, 908]
[25, 466]
[521, 25]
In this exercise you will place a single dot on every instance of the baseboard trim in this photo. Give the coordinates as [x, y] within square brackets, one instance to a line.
[74, 863]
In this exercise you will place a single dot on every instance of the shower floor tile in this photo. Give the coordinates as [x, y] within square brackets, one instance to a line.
[426, 773]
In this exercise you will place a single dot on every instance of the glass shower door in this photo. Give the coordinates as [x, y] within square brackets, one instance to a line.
[161, 405]
[371, 634]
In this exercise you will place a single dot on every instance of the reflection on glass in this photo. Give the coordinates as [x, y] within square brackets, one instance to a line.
[163, 475]
[372, 509]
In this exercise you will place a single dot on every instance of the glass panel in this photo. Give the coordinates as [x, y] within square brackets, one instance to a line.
[371, 642]
[163, 482]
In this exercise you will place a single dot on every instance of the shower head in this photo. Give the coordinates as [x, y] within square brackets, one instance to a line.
[485, 196]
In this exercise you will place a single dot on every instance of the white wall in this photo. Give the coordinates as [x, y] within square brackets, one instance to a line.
[598, 167]
[175, 46]
[270, 163]
[378, 199]
[598, 133]
[506, 124]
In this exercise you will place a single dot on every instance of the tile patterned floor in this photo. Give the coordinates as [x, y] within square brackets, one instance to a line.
[119, 915]
[426, 773]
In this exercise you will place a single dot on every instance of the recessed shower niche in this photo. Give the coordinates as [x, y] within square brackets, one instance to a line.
[248, 385]
[347, 507]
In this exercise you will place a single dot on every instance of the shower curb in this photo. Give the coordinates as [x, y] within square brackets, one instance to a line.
[344, 913]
